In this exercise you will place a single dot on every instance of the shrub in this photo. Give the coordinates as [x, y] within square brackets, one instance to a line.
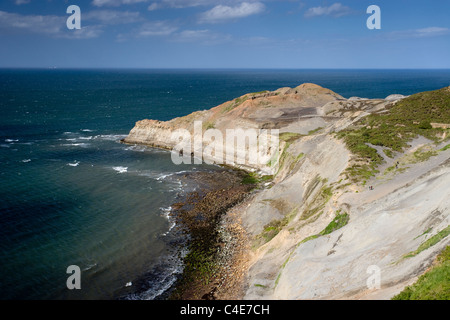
[425, 125]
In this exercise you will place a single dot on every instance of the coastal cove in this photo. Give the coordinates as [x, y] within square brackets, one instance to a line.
[73, 194]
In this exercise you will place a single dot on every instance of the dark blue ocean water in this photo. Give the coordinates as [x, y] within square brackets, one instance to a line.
[70, 194]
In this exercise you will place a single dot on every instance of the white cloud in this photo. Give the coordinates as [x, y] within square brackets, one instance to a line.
[156, 28]
[19, 2]
[154, 6]
[335, 10]
[431, 32]
[54, 26]
[159, 4]
[112, 16]
[149, 29]
[89, 32]
[189, 3]
[418, 33]
[114, 3]
[205, 37]
[13, 22]
[222, 13]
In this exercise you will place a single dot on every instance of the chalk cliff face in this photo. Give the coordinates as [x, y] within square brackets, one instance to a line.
[315, 232]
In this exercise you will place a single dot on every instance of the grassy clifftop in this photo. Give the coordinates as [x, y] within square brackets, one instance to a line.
[393, 128]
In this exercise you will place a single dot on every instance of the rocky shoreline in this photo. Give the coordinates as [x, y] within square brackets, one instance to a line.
[216, 240]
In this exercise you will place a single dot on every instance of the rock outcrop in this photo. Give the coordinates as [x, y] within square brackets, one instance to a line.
[316, 233]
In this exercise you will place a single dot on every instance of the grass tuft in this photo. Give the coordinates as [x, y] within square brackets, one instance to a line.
[434, 284]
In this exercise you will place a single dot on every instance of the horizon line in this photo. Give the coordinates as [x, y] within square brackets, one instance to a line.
[205, 68]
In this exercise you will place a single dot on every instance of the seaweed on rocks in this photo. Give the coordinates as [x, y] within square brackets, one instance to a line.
[210, 239]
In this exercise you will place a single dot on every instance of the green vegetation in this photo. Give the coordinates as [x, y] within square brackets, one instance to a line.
[425, 125]
[208, 125]
[235, 103]
[393, 130]
[289, 137]
[260, 92]
[254, 178]
[270, 231]
[274, 227]
[388, 152]
[266, 178]
[319, 201]
[424, 233]
[274, 160]
[311, 132]
[250, 178]
[200, 261]
[445, 148]
[434, 284]
[339, 221]
[300, 156]
[309, 238]
[430, 242]
[421, 155]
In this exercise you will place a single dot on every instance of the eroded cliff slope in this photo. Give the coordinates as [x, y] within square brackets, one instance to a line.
[354, 203]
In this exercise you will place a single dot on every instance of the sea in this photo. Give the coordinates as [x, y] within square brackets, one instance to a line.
[72, 195]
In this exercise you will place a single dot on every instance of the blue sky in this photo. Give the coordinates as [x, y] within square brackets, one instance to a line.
[225, 34]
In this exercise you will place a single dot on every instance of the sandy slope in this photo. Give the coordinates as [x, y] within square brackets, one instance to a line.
[385, 224]
[380, 232]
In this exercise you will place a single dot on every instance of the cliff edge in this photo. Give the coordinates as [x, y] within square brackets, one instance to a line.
[355, 201]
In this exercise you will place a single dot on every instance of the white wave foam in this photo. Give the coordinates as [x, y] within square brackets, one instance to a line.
[165, 212]
[81, 144]
[167, 280]
[110, 137]
[137, 148]
[87, 130]
[156, 175]
[5, 146]
[26, 160]
[166, 175]
[178, 187]
[11, 140]
[163, 176]
[120, 169]
[75, 164]
[90, 266]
